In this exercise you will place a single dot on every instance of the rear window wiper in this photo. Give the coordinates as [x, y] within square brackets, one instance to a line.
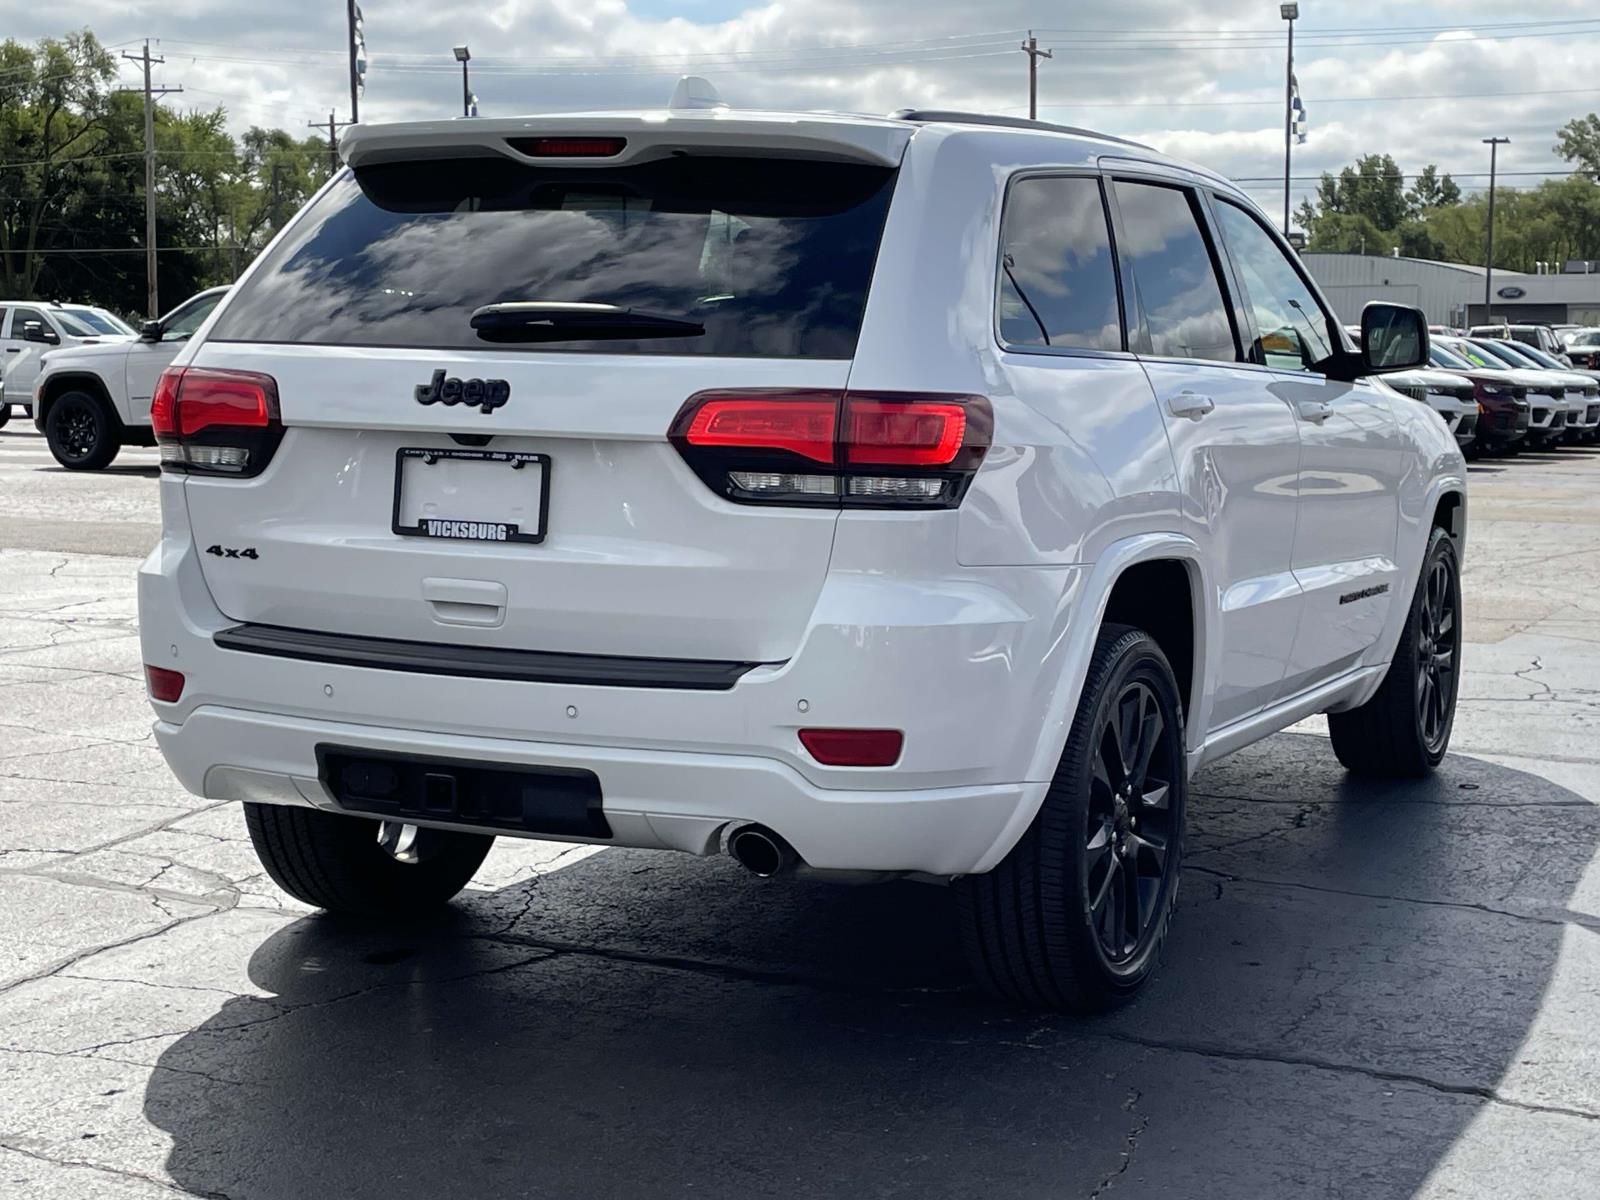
[563, 321]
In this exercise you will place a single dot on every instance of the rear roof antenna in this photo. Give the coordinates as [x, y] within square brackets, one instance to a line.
[695, 92]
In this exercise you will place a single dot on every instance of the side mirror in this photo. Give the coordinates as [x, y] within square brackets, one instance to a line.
[1394, 337]
[149, 331]
[35, 331]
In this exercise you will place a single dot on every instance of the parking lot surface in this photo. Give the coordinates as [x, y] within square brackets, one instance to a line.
[1369, 991]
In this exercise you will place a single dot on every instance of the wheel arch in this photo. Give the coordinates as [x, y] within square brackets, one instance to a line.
[1135, 563]
[73, 381]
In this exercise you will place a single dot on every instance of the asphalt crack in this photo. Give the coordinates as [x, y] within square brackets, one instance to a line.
[118, 1172]
[1130, 1144]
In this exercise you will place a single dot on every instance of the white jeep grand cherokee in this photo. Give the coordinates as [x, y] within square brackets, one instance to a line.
[925, 495]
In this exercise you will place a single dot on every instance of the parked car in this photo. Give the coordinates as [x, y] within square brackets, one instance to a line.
[93, 400]
[29, 328]
[1581, 391]
[1503, 410]
[746, 514]
[102, 320]
[1453, 397]
[1541, 337]
[1583, 347]
[1547, 396]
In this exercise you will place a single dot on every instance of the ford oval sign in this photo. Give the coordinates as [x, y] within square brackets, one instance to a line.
[1511, 293]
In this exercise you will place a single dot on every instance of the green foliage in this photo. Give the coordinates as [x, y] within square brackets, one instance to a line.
[1578, 141]
[72, 183]
[1365, 209]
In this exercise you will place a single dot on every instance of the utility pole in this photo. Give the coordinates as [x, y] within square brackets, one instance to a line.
[357, 45]
[1494, 144]
[1288, 12]
[332, 125]
[1031, 49]
[152, 292]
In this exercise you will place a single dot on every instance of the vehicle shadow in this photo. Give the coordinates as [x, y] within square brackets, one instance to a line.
[1352, 968]
[152, 472]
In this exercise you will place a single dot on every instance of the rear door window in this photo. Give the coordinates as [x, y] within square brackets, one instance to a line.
[1173, 269]
[1058, 284]
[771, 258]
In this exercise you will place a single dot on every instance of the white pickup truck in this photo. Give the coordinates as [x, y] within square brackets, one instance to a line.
[91, 400]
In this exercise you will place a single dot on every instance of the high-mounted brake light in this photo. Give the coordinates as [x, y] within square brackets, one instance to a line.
[851, 449]
[215, 422]
[568, 147]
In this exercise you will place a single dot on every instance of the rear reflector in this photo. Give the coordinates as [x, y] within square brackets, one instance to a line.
[165, 686]
[568, 147]
[853, 747]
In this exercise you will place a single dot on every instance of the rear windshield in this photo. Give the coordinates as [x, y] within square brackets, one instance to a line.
[772, 257]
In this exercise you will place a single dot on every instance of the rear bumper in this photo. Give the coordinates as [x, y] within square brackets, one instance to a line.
[651, 799]
[960, 665]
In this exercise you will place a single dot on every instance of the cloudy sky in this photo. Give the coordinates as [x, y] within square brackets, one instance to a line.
[1423, 82]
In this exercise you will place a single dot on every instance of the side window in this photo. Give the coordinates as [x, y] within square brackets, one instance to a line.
[185, 321]
[1058, 284]
[1292, 331]
[2, 321]
[1179, 293]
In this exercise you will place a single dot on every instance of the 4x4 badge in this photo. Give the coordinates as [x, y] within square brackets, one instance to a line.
[484, 394]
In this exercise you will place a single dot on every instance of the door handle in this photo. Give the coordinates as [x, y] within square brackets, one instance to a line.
[13, 349]
[1190, 404]
[1315, 411]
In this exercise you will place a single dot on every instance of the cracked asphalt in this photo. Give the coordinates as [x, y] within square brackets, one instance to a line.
[1370, 991]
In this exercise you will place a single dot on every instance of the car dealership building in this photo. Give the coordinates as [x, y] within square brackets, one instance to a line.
[1452, 293]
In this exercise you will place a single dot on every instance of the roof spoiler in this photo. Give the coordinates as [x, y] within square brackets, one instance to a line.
[671, 132]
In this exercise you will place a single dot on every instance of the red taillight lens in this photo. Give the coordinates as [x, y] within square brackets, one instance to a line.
[853, 449]
[165, 686]
[853, 747]
[216, 422]
[569, 147]
[790, 422]
[914, 433]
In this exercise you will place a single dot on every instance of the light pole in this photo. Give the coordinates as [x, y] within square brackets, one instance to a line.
[1494, 144]
[463, 56]
[1288, 12]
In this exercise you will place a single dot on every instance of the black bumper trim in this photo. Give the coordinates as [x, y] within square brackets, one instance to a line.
[483, 662]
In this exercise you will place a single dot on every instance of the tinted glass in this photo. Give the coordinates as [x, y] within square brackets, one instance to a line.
[1292, 331]
[98, 321]
[772, 257]
[21, 316]
[1477, 357]
[1178, 289]
[1440, 357]
[76, 326]
[1058, 284]
[187, 318]
[1541, 358]
[1506, 356]
[1585, 338]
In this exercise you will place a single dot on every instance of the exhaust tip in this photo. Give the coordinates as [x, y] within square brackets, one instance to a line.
[760, 851]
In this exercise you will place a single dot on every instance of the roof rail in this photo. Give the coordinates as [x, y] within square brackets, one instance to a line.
[967, 118]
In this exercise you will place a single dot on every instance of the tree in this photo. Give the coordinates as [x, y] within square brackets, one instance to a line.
[1578, 141]
[1431, 190]
[54, 101]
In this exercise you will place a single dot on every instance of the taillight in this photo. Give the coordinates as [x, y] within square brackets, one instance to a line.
[215, 422]
[851, 449]
[853, 747]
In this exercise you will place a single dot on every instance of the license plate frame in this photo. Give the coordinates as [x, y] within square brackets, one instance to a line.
[512, 531]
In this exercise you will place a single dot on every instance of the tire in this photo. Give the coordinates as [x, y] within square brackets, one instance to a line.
[335, 862]
[82, 433]
[1032, 933]
[1404, 730]
[5, 414]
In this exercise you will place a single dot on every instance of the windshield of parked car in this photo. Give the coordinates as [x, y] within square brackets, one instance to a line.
[1542, 358]
[99, 321]
[1507, 355]
[1587, 338]
[1440, 357]
[1475, 356]
[772, 257]
[73, 325]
